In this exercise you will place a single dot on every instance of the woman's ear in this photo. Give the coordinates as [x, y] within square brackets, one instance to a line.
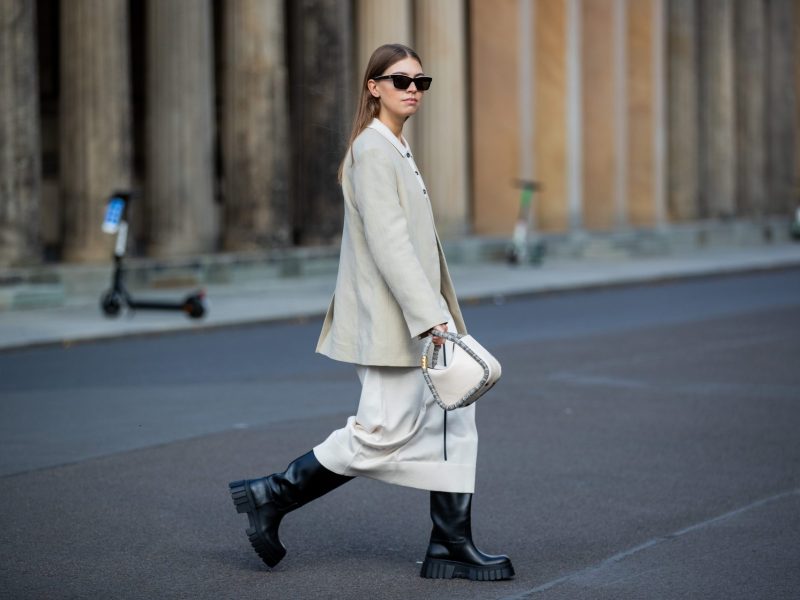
[373, 88]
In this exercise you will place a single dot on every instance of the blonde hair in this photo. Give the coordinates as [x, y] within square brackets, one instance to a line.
[368, 105]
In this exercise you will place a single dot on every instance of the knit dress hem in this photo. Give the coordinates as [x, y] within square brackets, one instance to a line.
[434, 476]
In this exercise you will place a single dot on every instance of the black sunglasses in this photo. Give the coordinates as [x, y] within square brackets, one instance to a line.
[402, 82]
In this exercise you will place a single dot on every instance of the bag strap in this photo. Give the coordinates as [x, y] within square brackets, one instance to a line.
[453, 337]
[456, 339]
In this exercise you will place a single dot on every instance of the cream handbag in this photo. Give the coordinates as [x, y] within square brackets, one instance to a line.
[468, 373]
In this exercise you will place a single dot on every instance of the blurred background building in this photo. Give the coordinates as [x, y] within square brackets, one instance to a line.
[229, 117]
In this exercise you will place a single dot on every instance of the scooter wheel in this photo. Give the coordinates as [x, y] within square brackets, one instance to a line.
[194, 306]
[512, 256]
[111, 303]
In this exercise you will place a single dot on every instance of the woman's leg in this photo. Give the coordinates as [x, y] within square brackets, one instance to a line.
[268, 499]
[451, 552]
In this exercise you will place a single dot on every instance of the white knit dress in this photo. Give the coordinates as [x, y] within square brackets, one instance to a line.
[398, 434]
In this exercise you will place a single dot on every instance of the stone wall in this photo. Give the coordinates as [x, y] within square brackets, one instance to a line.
[229, 117]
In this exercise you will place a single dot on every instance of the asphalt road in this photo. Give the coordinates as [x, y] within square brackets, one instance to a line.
[643, 443]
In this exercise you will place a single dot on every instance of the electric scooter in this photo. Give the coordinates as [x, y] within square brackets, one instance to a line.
[113, 300]
[518, 251]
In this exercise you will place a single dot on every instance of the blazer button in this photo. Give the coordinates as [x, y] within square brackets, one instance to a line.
[408, 154]
[425, 192]
[416, 172]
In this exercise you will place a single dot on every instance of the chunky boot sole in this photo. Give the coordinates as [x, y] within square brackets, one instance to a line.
[244, 503]
[435, 568]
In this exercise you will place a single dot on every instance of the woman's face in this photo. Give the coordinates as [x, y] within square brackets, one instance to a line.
[399, 104]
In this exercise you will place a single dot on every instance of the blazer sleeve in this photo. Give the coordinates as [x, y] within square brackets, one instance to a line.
[386, 232]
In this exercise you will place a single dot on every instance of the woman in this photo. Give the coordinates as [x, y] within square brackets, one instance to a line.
[392, 290]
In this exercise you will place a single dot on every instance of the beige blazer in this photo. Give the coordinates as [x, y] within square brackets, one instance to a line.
[392, 271]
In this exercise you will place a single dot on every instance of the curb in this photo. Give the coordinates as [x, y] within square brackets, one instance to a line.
[466, 300]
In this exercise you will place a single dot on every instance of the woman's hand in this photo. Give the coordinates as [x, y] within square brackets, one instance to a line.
[437, 341]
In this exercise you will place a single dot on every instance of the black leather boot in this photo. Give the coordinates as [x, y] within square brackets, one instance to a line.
[451, 552]
[268, 499]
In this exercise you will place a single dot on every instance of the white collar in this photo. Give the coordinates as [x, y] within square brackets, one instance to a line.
[401, 147]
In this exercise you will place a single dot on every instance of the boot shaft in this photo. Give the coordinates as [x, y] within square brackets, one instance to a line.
[451, 551]
[304, 480]
[451, 514]
[267, 500]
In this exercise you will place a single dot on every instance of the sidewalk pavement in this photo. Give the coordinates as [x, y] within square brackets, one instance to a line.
[298, 298]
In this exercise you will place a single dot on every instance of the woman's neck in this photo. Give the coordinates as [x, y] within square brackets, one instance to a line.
[395, 124]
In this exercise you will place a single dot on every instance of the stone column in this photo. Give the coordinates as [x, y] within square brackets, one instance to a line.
[751, 85]
[797, 81]
[598, 101]
[644, 99]
[781, 106]
[254, 125]
[660, 112]
[321, 76]
[575, 124]
[381, 22]
[624, 73]
[20, 161]
[717, 110]
[553, 61]
[180, 128]
[95, 122]
[441, 130]
[682, 111]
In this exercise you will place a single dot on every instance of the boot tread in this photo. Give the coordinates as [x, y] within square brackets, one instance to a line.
[239, 496]
[268, 553]
[436, 568]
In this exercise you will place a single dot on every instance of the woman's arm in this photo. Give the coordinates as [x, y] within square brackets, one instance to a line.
[387, 236]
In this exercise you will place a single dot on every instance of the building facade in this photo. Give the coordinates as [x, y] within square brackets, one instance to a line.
[228, 118]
